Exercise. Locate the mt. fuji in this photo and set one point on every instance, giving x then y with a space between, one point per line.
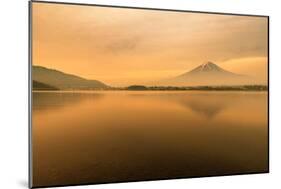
208 74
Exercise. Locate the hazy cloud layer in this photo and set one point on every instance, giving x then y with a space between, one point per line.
119 45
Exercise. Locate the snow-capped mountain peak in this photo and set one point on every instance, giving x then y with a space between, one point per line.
207 67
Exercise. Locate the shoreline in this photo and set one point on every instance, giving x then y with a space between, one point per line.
245 88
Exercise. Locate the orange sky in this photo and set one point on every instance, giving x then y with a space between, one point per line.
130 46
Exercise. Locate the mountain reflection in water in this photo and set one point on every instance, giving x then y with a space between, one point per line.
112 136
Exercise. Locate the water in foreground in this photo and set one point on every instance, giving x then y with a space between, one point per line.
113 136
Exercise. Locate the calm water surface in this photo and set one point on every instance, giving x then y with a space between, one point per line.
97 137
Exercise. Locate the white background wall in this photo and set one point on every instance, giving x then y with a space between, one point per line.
14 93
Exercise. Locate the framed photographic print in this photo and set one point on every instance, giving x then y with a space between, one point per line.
121 94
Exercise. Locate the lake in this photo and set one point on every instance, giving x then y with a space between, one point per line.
111 136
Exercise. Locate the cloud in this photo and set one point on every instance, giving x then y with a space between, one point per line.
124 45
110 43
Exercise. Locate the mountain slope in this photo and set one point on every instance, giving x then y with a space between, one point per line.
208 74
42 86
208 68
62 80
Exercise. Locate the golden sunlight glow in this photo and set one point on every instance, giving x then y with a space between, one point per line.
125 46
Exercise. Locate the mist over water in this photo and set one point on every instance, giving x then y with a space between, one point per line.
109 136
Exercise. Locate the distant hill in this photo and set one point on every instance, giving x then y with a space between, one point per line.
137 88
208 74
63 80
42 86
